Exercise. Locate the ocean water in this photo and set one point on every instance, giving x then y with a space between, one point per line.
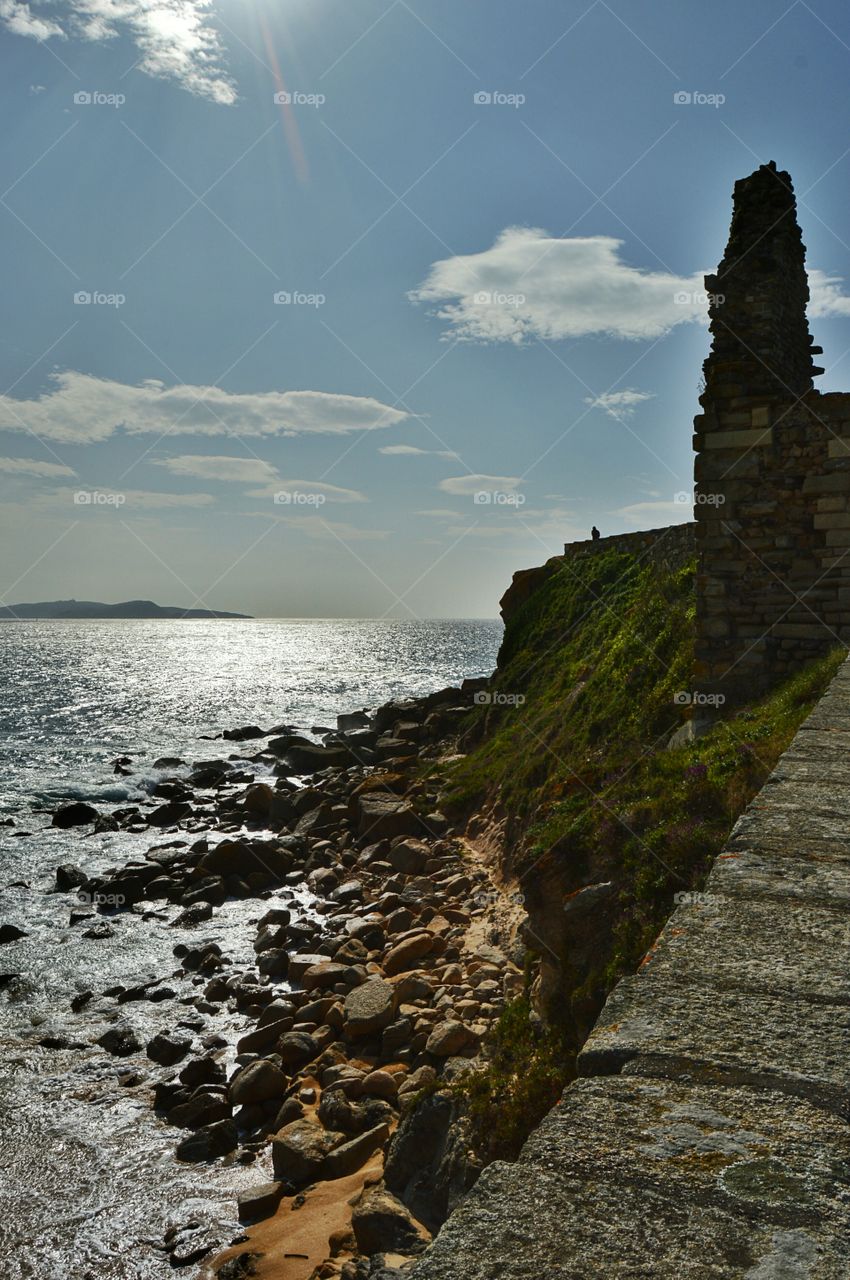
89 1182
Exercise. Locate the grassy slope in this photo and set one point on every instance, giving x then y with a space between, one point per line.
591 793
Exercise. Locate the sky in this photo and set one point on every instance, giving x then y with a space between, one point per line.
348 308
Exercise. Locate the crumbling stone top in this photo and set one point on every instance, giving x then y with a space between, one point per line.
761 345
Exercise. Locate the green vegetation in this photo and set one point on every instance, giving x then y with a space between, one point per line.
527 1070
582 771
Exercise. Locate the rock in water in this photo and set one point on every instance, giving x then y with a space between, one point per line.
68 876
212 1140
168 1048
120 1040
74 815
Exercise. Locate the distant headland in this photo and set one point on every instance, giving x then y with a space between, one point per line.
95 609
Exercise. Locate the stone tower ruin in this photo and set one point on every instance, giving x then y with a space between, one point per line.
773 462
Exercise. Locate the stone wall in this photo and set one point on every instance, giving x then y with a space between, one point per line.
773 462
708 1135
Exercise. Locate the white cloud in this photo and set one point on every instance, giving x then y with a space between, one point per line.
619 404
826 296
219 467
32 467
532 285
464 486
438 513
21 21
81 409
176 39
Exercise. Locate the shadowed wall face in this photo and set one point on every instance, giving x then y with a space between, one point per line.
773 462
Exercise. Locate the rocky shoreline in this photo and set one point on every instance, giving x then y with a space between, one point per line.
361 1005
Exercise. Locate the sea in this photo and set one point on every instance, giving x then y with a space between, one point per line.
89 1185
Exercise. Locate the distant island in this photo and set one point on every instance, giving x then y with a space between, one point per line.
94 609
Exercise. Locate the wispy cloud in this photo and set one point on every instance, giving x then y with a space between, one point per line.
33 467
466 486
530 285
175 39
318 527
81 409
619 404
647 515
230 470
411 451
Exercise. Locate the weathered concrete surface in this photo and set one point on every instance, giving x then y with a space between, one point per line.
709 1137
646 1178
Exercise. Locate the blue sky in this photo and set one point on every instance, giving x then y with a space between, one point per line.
485 225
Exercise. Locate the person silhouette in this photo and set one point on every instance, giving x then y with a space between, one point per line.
595 534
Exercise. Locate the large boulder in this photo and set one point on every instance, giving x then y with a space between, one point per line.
352 720
381 1224
352 1155
243 858
409 857
69 877
74 815
312 758
369 1008
407 953
260 1201
450 1038
168 1048
299 1150
169 814
428 1162
383 815
296 1048
212 1140
121 1040
258 1082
